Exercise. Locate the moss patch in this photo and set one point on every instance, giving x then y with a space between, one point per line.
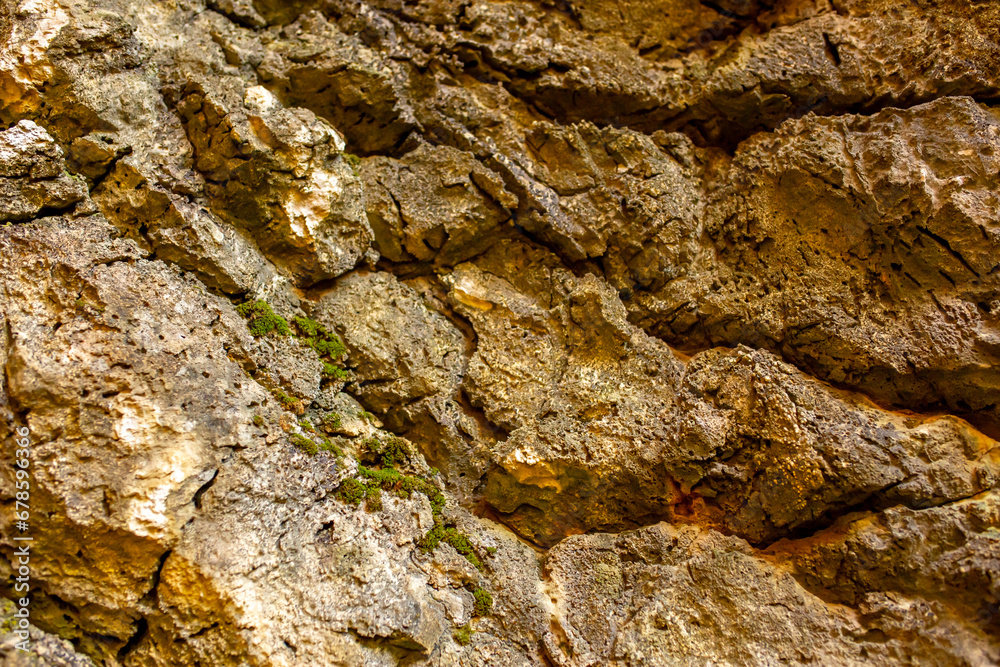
312 448
335 372
392 452
451 535
391 480
262 320
304 443
315 335
330 422
288 402
352 491
325 343
463 635
484 601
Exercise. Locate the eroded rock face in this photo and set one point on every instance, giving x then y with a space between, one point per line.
862 249
608 426
691 307
151 456
34 174
664 595
281 170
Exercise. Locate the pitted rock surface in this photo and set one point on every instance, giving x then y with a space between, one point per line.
520 333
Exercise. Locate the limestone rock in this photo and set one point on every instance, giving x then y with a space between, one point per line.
279 174
287 364
872 239
436 204
664 595
412 360
315 65
171 471
607 424
402 348
33 174
182 232
671 331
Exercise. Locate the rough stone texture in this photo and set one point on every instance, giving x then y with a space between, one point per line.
691 306
313 64
151 457
46 650
33 174
664 595
861 248
411 359
435 204
609 426
279 170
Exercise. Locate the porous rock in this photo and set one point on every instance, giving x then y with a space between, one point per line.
669 331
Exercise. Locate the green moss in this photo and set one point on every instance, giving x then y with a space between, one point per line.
464 546
308 328
304 443
258 421
367 416
450 535
383 476
262 320
335 372
437 500
484 601
307 426
315 335
492 551
386 478
352 491
370 445
390 453
330 422
394 452
288 402
329 446
332 347
463 635
373 498
421 485
390 479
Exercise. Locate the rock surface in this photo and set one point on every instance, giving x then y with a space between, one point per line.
692 307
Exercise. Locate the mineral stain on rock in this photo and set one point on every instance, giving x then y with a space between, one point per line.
544 333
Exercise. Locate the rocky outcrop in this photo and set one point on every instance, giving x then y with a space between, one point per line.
501 333
861 249
34 174
664 595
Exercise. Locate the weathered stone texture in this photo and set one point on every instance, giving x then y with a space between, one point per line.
512 333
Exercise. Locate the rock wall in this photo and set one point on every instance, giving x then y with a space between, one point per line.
553 333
